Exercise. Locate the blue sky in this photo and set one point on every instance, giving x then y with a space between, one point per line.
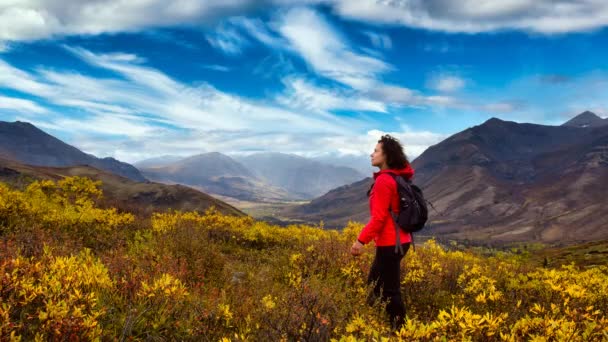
146 78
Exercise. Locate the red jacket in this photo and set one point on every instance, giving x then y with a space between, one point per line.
381 227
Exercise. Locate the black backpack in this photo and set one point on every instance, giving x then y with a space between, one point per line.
413 211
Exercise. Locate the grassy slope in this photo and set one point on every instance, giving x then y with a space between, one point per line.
119 191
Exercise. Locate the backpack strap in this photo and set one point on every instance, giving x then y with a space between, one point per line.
413 243
398 248
370 189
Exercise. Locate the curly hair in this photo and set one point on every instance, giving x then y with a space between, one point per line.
393 151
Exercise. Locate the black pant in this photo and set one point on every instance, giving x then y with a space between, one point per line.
385 271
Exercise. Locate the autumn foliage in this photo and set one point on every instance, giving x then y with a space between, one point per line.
72 270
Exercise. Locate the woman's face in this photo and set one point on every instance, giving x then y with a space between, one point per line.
378 157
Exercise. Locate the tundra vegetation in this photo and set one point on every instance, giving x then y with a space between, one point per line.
71 269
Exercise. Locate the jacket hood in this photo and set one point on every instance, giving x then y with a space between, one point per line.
407 172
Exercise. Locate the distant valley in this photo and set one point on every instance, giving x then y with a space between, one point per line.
261 177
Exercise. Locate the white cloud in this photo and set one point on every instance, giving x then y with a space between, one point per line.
395 95
192 106
228 40
325 51
499 107
473 16
400 96
101 125
302 94
144 90
273 65
217 67
20 105
258 30
444 101
447 83
379 40
36 19
17 79
307 34
30 19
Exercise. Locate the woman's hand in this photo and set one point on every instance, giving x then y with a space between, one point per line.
356 249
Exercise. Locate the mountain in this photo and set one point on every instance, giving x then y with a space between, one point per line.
25 143
504 149
516 182
502 181
300 176
586 119
217 173
120 192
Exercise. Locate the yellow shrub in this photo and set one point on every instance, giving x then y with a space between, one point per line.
57 296
165 286
67 204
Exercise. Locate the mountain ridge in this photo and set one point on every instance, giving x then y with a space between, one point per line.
26 143
586 119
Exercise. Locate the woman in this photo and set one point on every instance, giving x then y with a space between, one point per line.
385 271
